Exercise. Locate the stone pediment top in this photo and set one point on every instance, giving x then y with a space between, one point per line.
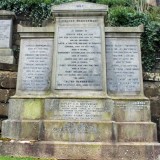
79 6
7 13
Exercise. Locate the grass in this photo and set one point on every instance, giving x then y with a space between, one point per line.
18 158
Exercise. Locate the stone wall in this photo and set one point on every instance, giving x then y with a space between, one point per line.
8 76
152 91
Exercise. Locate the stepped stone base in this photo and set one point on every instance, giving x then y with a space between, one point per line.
82 150
136 132
79 131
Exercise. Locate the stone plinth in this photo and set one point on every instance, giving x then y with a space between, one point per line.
6 27
82 151
79 95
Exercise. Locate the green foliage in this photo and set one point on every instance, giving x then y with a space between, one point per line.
150 45
35 11
126 16
154 13
120 16
113 3
121 13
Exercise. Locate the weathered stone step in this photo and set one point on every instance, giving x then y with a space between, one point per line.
136 132
82 150
58 130
79 131
132 110
28 129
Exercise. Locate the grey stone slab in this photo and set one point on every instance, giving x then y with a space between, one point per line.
123 66
79 6
21 130
78 131
31 31
132 110
79 54
78 109
6 52
6 13
35 65
7 59
26 109
125 30
5 33
136 132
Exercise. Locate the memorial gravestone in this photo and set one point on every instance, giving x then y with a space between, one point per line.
66 72
124 71
6 27
35 61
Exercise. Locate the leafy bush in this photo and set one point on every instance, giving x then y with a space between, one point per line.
121 13
120 16
113 3
125 16
35 11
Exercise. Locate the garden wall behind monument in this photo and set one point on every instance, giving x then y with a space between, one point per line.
71 100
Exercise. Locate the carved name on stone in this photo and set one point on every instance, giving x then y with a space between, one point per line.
132 106
36 64
79 63
123 68
79 109
5 33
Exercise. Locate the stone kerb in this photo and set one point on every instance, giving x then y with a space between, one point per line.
6 27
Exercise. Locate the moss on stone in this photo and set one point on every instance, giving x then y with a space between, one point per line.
33 108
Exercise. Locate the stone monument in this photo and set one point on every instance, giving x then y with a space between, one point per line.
80 91
6 27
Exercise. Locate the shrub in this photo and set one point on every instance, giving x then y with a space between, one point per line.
124 16
113 3
121 13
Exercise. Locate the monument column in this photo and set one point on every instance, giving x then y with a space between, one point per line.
79 105
125 85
